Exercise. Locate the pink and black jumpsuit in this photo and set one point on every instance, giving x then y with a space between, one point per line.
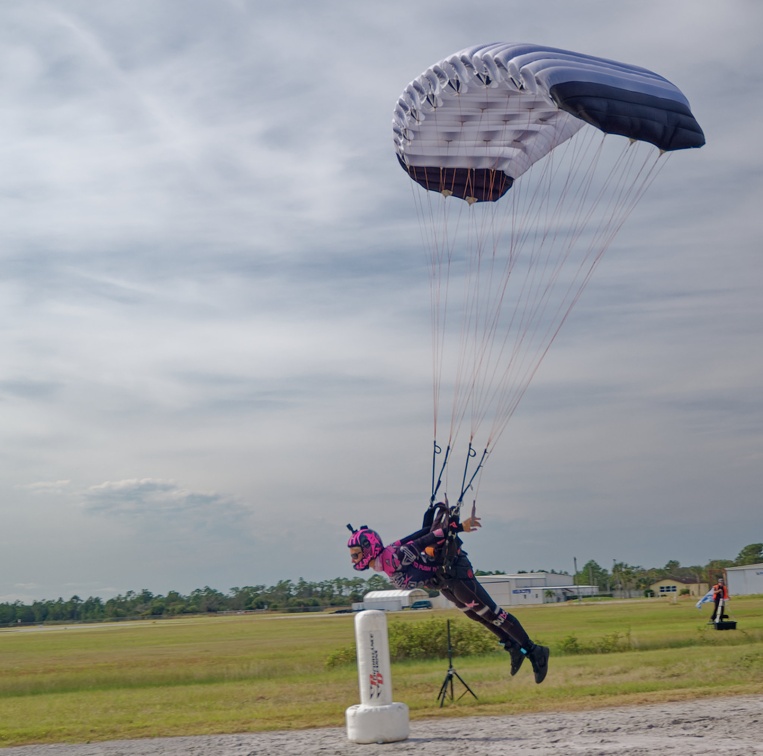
407 565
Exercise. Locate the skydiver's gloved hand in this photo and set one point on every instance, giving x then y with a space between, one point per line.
472 522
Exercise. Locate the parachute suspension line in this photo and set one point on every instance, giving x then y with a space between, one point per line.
446 217
432 210
441 255
488 299
471 453
484 294
618 195
445 214
517 321
494 349
440 260
468 345
533 300
624 198
481 306
464 304
550 251
436 482
531 216
465 486
565 302
473 343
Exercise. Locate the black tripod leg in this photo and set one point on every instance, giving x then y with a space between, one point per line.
449 675
463 682
443 694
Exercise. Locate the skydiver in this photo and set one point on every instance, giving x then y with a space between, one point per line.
720 597
422 560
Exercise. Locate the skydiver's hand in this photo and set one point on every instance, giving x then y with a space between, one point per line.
472 522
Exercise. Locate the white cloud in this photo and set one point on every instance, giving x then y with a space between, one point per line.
47 487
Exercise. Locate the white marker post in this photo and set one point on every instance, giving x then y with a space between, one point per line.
376 719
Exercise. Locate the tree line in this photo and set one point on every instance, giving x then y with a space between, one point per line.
302 595
286 595
628 577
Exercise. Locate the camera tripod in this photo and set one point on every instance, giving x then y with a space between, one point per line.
446 689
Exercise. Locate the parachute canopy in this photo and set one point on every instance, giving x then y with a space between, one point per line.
507 267
476 121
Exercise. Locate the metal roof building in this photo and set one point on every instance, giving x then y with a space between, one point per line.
532 588
745 580
394 600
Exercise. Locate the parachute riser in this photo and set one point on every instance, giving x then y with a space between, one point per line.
467 479
465 486
437 482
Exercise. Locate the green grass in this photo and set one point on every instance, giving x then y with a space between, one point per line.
81 683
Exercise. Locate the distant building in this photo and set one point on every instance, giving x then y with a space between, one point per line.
745 580
507 590
673 587
390 601
533 588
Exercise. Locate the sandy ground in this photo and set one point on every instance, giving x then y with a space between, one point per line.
689 728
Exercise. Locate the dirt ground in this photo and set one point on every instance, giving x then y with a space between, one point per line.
730 726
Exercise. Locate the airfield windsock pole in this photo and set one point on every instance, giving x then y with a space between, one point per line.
377 719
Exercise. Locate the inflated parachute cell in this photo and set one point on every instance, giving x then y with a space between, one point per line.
473 123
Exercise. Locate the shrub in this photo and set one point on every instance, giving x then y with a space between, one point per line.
571 645
426 640
341 657
607 644
429 639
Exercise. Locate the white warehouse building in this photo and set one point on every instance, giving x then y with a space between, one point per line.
745 580
506 590
390 601
533 588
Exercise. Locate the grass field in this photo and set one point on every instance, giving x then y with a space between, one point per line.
246 673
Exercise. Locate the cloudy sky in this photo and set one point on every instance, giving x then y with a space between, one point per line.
214 339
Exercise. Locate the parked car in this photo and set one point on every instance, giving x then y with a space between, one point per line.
421 604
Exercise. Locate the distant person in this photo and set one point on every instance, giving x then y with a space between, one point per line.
432 558
720 596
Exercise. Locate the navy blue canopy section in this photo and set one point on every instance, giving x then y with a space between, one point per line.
664 123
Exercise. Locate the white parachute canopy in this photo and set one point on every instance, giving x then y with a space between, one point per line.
520 132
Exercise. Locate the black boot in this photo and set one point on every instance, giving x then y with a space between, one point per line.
517 657
539 659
